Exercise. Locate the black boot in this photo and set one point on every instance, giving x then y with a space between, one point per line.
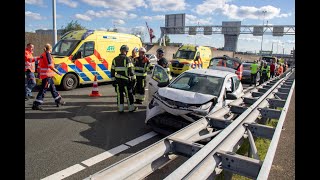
36 107
61 102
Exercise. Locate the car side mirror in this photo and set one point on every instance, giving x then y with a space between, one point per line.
231 96
163 84
172 55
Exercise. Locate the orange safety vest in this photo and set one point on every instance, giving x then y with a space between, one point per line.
29 61
45 65
280 70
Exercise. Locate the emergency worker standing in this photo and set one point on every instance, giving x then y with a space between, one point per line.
29 70
141 67
163 62
47 71
123 79
254 70
265 70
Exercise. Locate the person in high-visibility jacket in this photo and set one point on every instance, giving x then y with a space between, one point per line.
123 78
163 62
134 54
254 70
47 71
141 67
29 69
265 70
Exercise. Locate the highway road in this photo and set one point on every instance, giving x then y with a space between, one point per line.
82 137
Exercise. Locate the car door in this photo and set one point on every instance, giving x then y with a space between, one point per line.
159 75
238 89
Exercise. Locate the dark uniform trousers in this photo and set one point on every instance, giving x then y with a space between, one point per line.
124 87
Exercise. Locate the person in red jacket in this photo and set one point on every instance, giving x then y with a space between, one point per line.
29 62
47 71
272 69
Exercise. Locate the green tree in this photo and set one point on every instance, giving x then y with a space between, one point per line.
72 26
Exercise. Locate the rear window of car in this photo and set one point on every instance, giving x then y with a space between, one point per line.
225 63
246 66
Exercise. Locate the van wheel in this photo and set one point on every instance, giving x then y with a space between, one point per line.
69 81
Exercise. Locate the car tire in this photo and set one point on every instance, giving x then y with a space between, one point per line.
69 82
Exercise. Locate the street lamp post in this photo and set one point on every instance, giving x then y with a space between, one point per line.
54 22
264 13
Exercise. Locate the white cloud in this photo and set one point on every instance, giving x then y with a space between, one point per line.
70 3
83 17
118 22
110 13
154 18
34 2
32 15
239 12
168 5
194 20
124 5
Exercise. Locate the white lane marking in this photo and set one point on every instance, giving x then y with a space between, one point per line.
100 157
105 155
141 138
65 173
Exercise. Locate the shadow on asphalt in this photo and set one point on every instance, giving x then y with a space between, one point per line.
106 127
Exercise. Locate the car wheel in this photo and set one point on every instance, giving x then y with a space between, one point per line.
69 82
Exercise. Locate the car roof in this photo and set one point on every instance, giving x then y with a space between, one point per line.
210 72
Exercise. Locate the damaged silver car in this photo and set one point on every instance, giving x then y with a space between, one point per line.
192 95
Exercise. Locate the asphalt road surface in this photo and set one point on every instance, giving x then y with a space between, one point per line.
84 136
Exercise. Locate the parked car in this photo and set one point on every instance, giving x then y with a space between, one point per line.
192 95
226 63
152 58
246 74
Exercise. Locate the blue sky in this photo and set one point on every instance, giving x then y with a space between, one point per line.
128 16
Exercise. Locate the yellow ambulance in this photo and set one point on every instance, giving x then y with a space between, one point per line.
82 54
190 57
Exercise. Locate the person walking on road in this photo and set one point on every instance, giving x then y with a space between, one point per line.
47 71
29 70
265 70
272 69
163 62
141 67
123 78
254 70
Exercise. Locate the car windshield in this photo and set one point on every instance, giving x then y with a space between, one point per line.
64 47
185 54
224 62
198 83
246 66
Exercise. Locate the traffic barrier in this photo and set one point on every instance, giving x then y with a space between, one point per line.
95 91
220 151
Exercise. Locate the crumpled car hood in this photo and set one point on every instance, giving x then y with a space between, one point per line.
184 96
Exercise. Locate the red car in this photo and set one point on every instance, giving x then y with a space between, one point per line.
227 63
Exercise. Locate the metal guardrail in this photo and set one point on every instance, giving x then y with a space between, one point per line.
208 160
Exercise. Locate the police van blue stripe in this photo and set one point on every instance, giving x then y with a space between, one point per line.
89 67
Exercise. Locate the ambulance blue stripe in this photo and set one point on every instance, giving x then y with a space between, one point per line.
101 66
89 67
78 71
62 70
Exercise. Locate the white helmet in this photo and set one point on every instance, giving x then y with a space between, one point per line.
142 49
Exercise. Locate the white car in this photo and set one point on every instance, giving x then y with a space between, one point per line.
152 58
192 95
